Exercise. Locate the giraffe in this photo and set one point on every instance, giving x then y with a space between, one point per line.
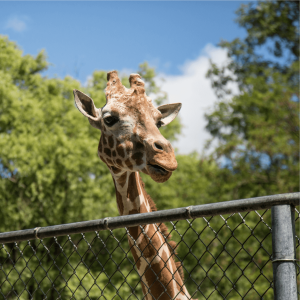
130 143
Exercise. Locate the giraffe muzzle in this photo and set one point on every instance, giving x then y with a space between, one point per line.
160 172
158 169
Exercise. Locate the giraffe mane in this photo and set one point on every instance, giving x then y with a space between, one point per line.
165 232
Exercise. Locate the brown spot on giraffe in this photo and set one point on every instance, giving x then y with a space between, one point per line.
147 248
134 231
119 163
109 162
144 288
133 211
157 288
139 146
135 141
116 170
111 142
107 151
143 208
128 163
136 257
120 150
138 157
122 179
133 191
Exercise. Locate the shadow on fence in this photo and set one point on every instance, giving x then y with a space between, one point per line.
225 256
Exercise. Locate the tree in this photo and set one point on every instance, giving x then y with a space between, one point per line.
257 130
257 133
47 153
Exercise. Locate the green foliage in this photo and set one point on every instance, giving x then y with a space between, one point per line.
271 25
257 130
224 254
274 20
51 173
47 151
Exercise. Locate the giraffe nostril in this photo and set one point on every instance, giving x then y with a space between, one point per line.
159 147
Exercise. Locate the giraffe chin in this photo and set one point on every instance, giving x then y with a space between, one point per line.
158 174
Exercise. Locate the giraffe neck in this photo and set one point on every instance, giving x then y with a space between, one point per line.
160 278
130 193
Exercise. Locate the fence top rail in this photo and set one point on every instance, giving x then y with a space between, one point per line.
191 212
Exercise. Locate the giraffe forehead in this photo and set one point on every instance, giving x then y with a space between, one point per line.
115 107
139 109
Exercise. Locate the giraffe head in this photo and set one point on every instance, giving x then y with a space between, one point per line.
129 122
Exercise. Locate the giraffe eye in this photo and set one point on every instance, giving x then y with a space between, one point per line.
159 124
110 121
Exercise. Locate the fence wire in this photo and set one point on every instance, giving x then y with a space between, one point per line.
223 257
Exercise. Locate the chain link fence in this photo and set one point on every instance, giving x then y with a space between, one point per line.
227 256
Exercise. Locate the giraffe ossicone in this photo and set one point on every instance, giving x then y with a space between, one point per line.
131 143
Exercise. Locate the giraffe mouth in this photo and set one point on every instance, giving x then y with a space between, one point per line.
158 169
158 173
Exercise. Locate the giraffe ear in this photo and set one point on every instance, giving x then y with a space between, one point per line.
86 106
169 112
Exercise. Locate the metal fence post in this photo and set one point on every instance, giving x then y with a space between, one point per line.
283 243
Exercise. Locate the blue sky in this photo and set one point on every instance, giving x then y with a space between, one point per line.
80 37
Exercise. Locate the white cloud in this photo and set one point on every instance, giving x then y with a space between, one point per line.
194 91
17 23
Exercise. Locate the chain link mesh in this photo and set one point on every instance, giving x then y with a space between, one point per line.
223 257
